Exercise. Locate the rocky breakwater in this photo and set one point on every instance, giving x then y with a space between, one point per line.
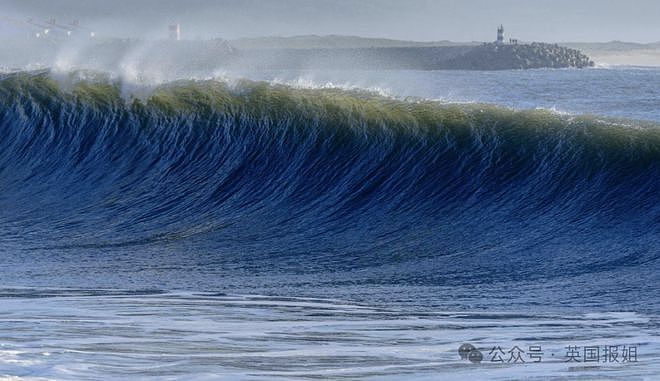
487 56
523 56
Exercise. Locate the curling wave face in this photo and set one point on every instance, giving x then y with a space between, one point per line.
320 186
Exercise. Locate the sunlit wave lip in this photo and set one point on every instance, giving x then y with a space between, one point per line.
131 88
306 83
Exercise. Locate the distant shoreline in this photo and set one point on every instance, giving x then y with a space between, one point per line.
320 52
460 57
616 53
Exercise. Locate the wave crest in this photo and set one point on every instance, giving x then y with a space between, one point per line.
345 179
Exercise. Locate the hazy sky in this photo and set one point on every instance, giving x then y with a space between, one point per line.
458 20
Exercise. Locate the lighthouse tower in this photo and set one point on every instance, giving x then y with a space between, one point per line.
500 35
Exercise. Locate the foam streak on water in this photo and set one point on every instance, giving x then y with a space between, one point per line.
73 335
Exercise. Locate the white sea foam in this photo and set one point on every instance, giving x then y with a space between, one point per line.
206 336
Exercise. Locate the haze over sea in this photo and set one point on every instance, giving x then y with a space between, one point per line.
302 228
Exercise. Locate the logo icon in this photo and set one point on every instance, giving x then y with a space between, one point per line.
471 353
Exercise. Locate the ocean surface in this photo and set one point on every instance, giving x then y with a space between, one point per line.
626 92
357 225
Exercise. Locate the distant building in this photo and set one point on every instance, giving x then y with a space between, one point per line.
175 32
500 35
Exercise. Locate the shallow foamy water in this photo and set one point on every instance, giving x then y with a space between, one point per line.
75 334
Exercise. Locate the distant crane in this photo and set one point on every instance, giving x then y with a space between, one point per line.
75 24
45 29
53 23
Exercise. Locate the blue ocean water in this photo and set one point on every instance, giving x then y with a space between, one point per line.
626 92
304 228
